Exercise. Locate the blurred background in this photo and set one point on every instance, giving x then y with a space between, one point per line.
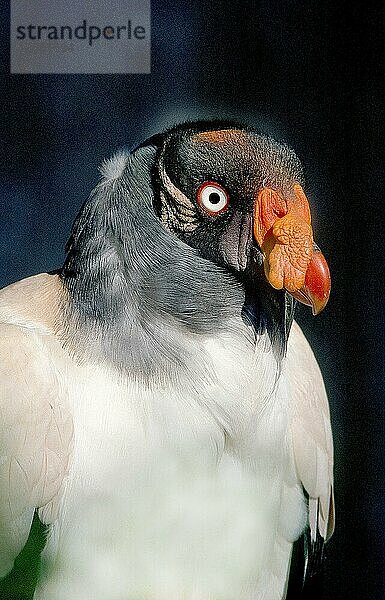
305 72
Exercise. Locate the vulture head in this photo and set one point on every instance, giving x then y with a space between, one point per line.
237 197
195 225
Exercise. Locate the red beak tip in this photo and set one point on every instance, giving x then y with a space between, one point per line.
318 304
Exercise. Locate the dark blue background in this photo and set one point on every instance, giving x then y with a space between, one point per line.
307 72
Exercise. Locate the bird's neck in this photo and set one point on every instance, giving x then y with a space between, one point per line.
133 288
135 309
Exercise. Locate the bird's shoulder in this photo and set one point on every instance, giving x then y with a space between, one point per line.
33 302
36 430
310 432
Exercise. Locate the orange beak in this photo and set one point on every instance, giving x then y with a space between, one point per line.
282 229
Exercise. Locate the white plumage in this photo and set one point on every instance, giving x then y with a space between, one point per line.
162 481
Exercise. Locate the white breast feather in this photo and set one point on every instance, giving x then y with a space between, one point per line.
170 482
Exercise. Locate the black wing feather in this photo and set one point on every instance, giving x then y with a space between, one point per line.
307 568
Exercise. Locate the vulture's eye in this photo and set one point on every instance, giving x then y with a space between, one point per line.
213 198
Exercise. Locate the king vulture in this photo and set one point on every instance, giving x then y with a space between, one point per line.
163 418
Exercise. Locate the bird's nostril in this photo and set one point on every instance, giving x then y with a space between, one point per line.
279 212
271 206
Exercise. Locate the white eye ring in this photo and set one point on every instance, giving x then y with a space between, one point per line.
213 198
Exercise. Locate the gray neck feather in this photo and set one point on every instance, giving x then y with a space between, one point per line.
135 290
